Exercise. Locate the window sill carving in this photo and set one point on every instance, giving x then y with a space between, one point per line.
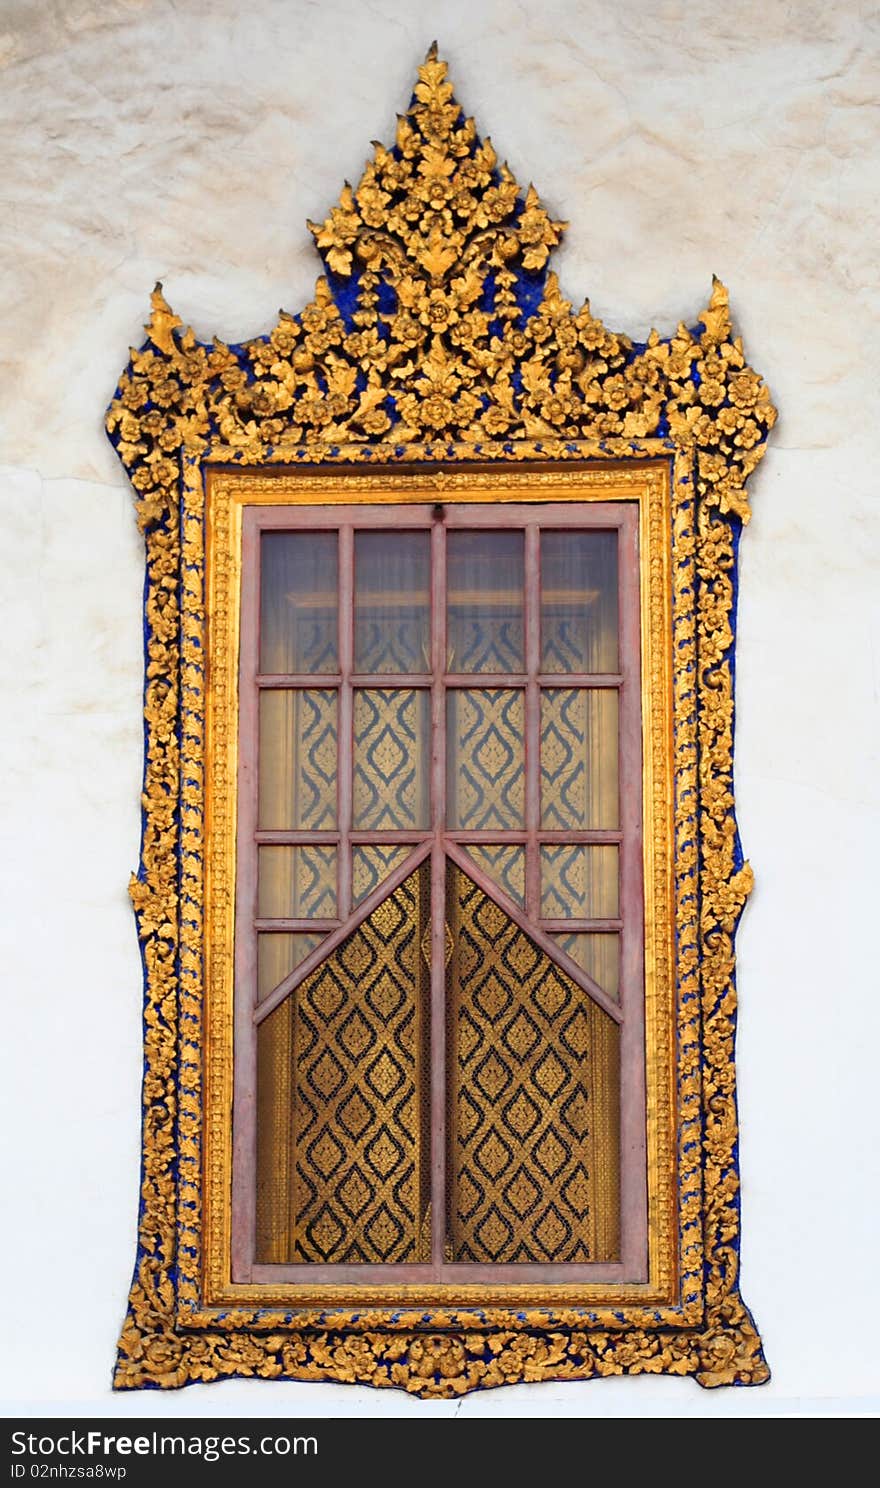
438 338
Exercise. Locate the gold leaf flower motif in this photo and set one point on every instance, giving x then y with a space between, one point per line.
471 327
712 366
194 366
165 472
367 348
375 422
678 364
712 467
285 336
130 428
143 479
748 435
712 392
495 421
608 424
592 334
728 420
135 392
615 392
262 355
264 400
558 408
436 1355
233 379
462 201
437 311
743 389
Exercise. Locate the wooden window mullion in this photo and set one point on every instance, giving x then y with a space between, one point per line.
438 896
532 718
321 681
345 735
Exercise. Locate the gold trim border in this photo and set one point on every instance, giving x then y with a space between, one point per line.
227 495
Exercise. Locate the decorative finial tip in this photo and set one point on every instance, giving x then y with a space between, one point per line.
162 321
716 316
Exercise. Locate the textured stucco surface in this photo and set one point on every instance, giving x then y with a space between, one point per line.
188 141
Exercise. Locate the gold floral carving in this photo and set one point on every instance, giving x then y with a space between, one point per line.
438 336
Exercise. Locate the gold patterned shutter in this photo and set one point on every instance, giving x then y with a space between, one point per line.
343 1141
533 1068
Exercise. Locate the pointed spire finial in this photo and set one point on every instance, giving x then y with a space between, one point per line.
162 322
716 317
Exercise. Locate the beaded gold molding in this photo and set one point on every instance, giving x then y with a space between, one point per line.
438 336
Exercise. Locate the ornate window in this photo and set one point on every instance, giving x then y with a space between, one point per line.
439 934
440 872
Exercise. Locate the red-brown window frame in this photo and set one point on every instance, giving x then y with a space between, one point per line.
440 843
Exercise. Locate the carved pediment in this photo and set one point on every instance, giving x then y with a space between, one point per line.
440 331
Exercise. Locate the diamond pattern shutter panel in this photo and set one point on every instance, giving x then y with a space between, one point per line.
533 1098
343 1085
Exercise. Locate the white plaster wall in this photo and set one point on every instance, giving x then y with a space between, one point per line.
189 140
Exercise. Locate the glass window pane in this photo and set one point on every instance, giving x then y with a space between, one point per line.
598 956
579 759
297 760
298 602
343 1099
371 865
484 621
297 883
579 883
391 759
579 602
278 956
533 1076
506 866
485 788
392 602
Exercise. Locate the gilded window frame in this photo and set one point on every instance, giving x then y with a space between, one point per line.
227 495
684 421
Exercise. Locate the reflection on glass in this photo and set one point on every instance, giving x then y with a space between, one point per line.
278 956
391 759
484 576
598 956
392 602
298 602
297 760
485 789
371 865
579 883
579 759
297 883
506 866
579 602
